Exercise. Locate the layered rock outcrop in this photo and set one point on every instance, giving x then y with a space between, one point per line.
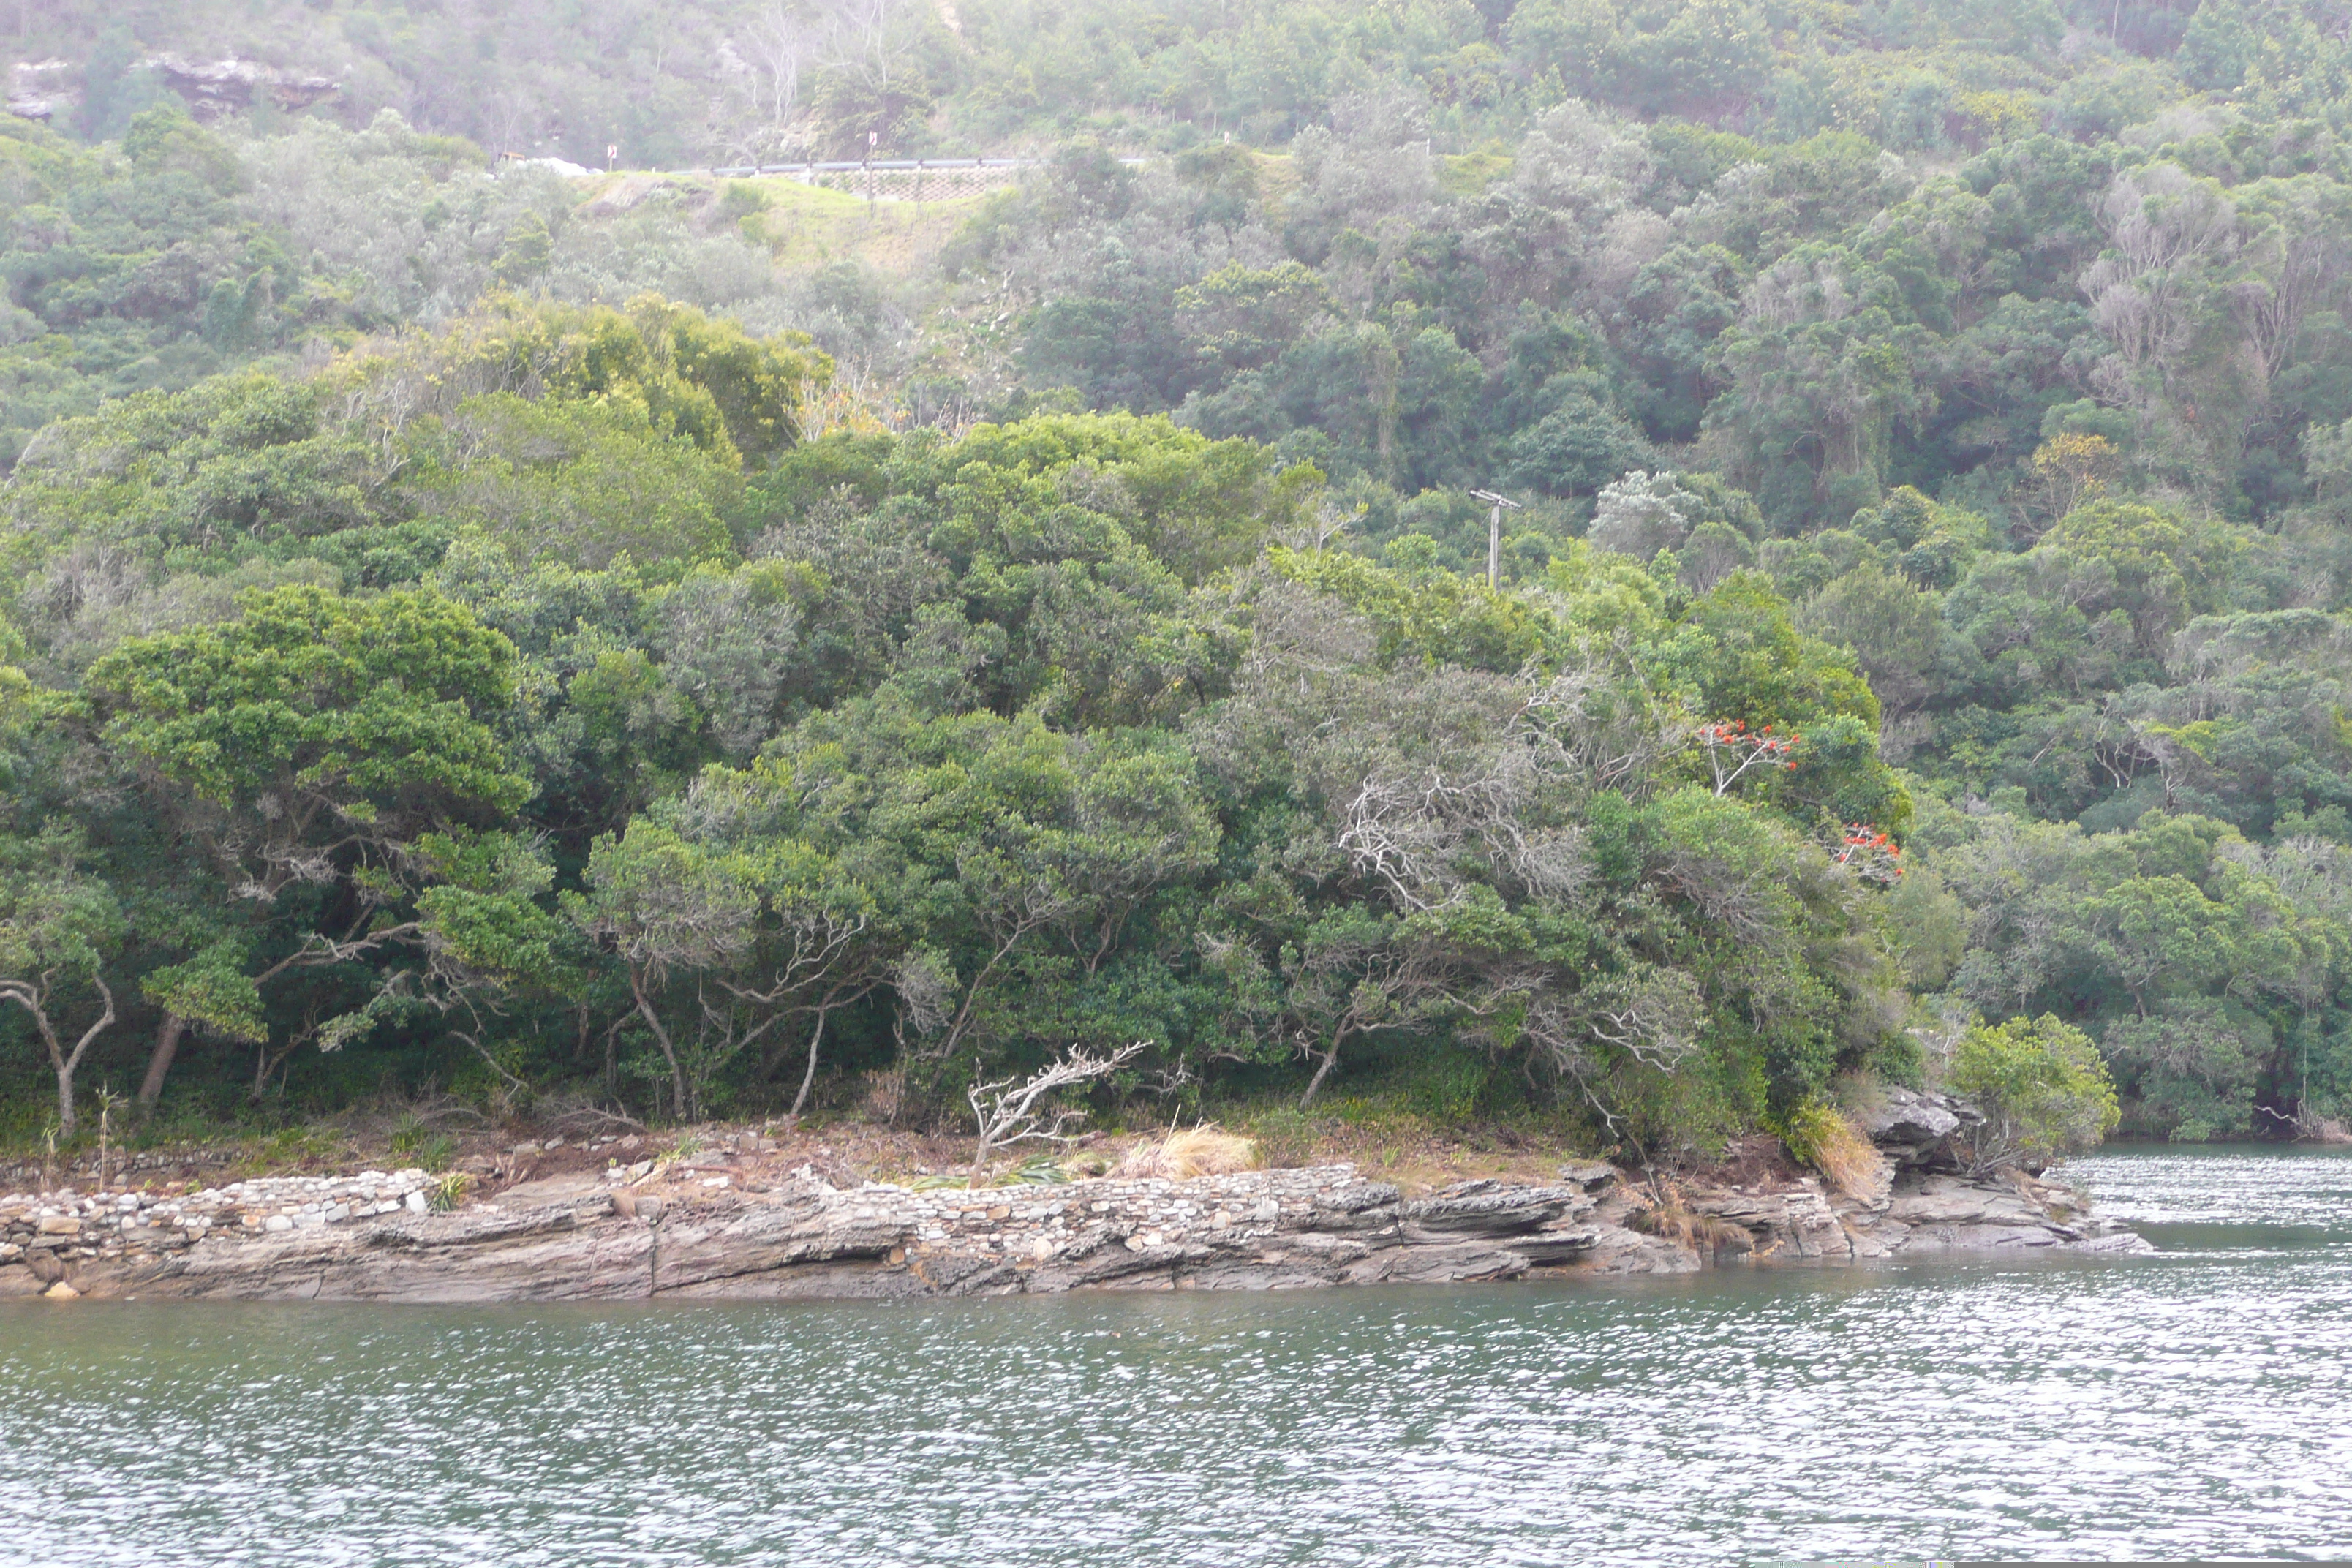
800 1238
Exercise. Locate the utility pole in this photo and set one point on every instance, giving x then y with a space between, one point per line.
1495 534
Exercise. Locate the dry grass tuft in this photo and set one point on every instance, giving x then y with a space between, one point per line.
1672 1222
1825 1139
1853 1166
1203 1151
1854 1169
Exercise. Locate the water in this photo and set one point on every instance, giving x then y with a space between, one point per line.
2192 1403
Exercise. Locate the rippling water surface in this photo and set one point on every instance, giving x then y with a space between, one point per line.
2196 1402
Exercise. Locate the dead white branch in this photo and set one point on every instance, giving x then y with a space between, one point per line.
1020 1111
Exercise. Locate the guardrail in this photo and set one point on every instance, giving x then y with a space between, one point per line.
877 166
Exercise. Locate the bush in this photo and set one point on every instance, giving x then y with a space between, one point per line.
1285 1137
413 1137
2043 1088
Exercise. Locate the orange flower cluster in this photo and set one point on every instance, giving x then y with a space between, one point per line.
1728 731
1733 732
1871 853
1746 748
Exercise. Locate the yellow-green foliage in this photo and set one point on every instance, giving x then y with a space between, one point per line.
2041 1086
734 397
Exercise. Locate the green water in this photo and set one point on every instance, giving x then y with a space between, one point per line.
2198 1403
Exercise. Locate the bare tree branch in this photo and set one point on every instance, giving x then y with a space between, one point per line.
1008 1111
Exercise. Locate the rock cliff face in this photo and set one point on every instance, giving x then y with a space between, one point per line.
48 89
1261 1230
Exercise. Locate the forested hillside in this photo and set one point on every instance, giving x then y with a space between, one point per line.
525 637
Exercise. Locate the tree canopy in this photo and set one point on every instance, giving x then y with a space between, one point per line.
697 641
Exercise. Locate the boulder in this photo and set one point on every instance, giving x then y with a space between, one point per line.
1595 1177
1911 1128
1799 1224
1487 1208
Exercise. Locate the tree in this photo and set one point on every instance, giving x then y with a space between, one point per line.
307 743
585 483
487 936
1578 449
211 991
57 926
1005 860
2044 1092
2156 933
312 727
1892 628
664 905
1347 973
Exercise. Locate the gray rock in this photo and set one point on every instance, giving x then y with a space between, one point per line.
1483 1208
1355 1197
1595 1177
1800 1224
804 1239
1911 1128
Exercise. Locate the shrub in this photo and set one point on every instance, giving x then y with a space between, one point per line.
1285 1137
409 1132
414 1137
2043 1088
1037 1170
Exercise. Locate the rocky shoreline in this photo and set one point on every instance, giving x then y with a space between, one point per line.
729 1227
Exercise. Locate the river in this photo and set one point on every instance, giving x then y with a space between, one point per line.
2195 1402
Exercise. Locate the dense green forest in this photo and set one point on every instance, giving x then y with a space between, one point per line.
471 631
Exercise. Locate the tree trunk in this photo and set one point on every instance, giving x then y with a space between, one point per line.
669 1052
159 1061
808 1076
1331 1059
65 1061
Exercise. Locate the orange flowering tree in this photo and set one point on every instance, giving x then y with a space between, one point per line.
1734 751
1873 855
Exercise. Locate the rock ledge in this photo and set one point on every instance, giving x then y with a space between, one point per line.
801 1238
